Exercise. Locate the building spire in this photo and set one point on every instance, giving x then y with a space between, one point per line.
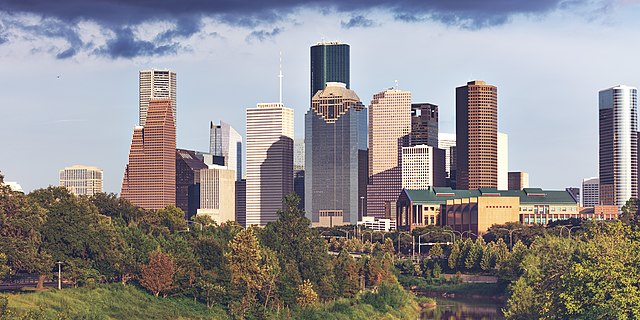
280 76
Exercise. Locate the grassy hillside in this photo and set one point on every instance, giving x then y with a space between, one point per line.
108 302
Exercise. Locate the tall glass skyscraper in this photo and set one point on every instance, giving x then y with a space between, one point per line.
225 141
329 63
618 145
335 156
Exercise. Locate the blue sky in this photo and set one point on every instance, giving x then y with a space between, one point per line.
548 59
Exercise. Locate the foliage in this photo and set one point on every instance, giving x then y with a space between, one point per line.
347 275
306 295
245 263
157 275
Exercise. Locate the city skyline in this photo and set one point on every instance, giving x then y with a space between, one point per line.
112 98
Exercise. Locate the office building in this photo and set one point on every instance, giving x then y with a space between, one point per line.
241 202
329 63
157 84
618 145
298 154
477 136
424 124
518 180
218 194
150 175
298 186
81 180
503 161
226 142
590 192
269 150
575 193
335 155
390 124
445 142
188 167
423 167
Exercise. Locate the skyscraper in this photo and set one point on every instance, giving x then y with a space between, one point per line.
81 180
424 124
390 124
218 193
618 145
590 192
157 84
422 167
226 142
150 175
329 63
335 155
477 136
269 161
188 167
447 142
503 161
518 180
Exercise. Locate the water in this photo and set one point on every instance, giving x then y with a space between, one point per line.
464 308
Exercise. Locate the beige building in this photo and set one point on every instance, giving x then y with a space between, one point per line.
156 84
217 193
518 180
477 214
422 167
389 129
269 143
81 180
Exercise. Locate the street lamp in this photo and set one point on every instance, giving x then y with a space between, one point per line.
361 207
59 263
511 235
469 232
454 232
568 229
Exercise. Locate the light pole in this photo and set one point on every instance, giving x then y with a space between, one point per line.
59 263
469 232
568 229
361 207
454 232
511 231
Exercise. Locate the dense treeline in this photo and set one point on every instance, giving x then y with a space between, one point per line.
251 273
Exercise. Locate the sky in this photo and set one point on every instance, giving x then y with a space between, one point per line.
69 71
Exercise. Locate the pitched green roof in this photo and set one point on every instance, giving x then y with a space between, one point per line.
440 195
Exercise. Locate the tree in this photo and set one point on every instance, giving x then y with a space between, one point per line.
488 258
306 295
347 275
629 213
164 221
247 275
4 267
472 262
437 270
454 255
157 275
119 209
500 252
436 251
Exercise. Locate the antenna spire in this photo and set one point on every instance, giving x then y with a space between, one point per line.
280 76
396 87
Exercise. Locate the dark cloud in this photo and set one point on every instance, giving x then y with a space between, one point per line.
358 21
263 35
186 16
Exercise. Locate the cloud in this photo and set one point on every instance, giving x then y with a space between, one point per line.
358 21
61 18
263 35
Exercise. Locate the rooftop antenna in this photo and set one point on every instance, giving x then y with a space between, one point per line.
396 85
280 76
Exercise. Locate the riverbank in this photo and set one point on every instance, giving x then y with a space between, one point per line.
444 287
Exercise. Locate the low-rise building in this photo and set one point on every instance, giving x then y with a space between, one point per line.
376 224
218 194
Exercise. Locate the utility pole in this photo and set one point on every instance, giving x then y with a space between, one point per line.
59 263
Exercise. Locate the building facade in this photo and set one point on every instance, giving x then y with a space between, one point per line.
241 202
81 180
518 180
188 167
218 194
445 142
503 161
298 154
477 136
225 141
157 84
590 192
269 146
335 155
329 63
618 117
423 167
390 126
150 175
424 124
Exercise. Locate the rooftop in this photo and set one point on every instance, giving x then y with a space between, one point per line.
440 195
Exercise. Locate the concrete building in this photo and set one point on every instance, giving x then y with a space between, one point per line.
422 167
14 186
518 180
575 193
218 194
298 186
445 142
157 84
225 141
424 124
590 192
81 180
298 154
241 202
150 175
335 155
390 124
477 136
269 161
375 224
618 117
329 63
503 161
188 167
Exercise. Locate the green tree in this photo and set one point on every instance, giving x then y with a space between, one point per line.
306 295
454 256
488 258
164 221
500 252
119 209
347 275
436 251
629 213
511 268
4 267
157 275
437 270
247 275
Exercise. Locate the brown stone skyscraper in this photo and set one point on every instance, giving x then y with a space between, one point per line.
477 135
150 176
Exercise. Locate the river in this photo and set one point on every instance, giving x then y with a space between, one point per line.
464 308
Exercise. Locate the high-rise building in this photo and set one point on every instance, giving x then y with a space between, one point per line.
503 161
422 167
226 142
390 126
269 161
424 124
150 176
218 193
445 142
157 84
518 180
81 180
477 136
241 202
298 154
329 63
590 192
575 193
335 156
618 145
298 186
188 167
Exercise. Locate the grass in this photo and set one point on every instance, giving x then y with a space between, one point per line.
112 301
442 285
